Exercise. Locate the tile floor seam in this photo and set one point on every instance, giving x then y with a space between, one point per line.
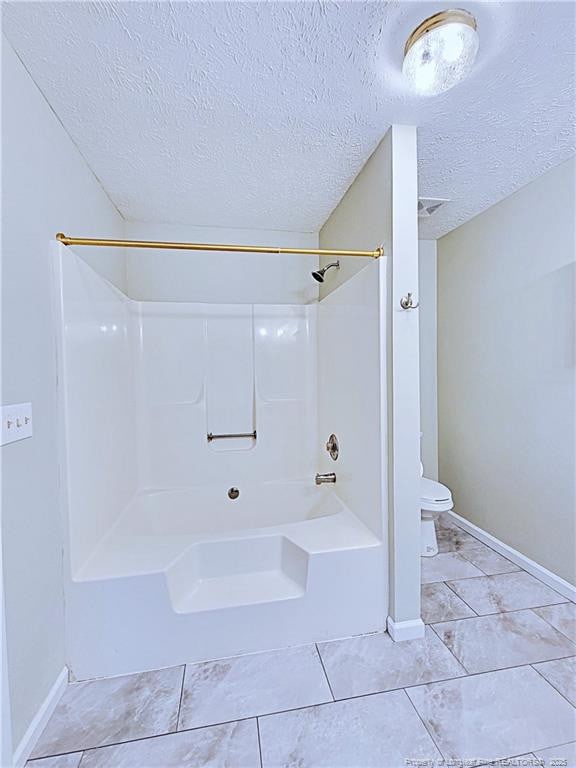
464 667
497 669
564 744
404 687
63 754
418 715
180 702
461 598
517 567
460 552
479 575
434 583
501 613
572 639
515 573
533 665
93 749
554 746
530 607
462 578
433 682
511 610
259 741
138 741
148 738
325 672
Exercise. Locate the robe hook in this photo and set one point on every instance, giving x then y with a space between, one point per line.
406 302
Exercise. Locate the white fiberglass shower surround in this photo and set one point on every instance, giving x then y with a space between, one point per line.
182 548
165 567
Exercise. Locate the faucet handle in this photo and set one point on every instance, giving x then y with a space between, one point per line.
327 477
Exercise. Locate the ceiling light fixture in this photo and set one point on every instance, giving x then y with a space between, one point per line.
441 51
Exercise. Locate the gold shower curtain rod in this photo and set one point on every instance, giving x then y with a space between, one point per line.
65 240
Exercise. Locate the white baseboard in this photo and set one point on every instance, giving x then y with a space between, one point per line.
551 579
405 630
34 731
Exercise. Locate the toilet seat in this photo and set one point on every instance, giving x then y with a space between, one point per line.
434 497
433 491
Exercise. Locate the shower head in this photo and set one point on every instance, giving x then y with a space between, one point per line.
319 274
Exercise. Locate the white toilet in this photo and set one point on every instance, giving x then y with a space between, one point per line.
434 499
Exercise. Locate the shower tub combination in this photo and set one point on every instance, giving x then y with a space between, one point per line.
181 548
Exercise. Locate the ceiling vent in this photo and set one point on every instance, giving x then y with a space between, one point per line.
427 206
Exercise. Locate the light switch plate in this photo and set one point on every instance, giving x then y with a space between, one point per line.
16 422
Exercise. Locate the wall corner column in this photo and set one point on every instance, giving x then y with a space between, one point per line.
402 393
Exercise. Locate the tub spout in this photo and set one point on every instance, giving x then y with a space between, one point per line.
328 477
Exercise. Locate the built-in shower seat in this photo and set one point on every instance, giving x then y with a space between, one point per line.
205 570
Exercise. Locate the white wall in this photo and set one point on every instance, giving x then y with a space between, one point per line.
96 371
349 393
428 356
6 751
144 382
224 369
46 187
506 369
220 278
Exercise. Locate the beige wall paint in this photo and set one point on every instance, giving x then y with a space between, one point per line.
506 370
360 221
46 186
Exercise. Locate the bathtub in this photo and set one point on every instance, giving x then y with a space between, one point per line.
208 510
282 563
159 526
179 572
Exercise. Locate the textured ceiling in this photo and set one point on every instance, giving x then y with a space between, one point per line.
260 114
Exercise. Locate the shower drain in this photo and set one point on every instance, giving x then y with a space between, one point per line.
233 493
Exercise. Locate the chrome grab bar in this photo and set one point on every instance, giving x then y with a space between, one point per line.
211 437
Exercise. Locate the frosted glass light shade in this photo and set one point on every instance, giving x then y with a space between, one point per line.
441 52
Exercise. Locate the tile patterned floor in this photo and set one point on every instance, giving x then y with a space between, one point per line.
561 673
505 592
562 617
218 691
486 643
492 680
